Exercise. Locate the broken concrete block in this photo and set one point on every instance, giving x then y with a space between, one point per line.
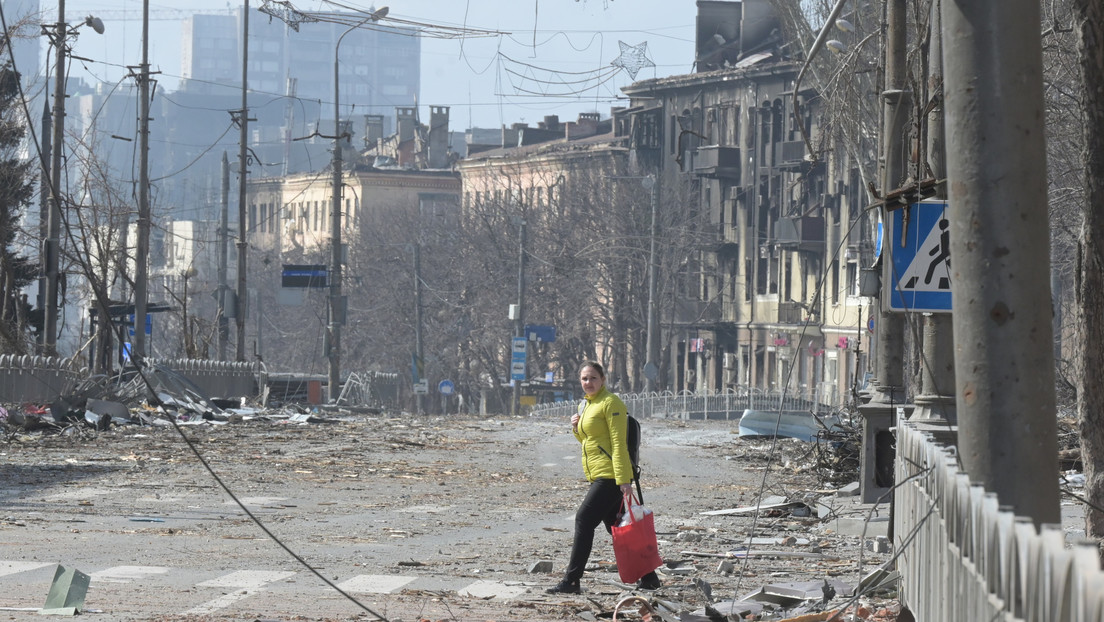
726 567
879 544
849 490
541 567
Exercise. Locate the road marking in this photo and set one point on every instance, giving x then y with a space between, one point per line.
126 574
246 579
7 568
375 583
222 602
250 582
493 589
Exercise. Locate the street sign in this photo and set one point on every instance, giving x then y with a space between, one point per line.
445 387
518 347
421 387
921 279
537 332
309 275
517 370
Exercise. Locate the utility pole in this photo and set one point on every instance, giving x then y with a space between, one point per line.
889 391
337 310
1004 338
223 260
53 223
937 371
519 318
418 348
243 171
141 271
44 214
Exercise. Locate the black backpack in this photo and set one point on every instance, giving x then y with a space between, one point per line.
632 440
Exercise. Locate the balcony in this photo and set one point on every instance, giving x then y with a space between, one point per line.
791 153
718 162
800 234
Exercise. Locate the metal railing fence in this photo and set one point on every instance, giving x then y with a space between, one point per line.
729 404
963 558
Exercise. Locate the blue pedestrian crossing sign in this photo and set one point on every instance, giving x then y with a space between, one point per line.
921 279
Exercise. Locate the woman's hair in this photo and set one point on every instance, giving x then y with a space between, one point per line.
597 367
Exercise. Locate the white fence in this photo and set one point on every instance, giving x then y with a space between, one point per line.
963 558
26 378
699 405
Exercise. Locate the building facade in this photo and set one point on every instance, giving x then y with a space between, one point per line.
771 300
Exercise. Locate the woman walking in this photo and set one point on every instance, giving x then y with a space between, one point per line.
601 427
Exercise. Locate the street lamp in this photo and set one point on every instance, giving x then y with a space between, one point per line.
337 308
59 35
651 371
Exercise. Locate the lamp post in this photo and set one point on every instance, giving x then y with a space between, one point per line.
337 307
59 36
651 371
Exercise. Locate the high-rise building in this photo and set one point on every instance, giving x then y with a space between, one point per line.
23 19
379 68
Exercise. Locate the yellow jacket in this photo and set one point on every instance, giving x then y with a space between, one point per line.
602 429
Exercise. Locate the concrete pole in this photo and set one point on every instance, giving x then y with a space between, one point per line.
53 223
876 473
223 261
418 347
44 212
336 315
1004 338
519 320
141 254
937 373
243 172
652 341
890 326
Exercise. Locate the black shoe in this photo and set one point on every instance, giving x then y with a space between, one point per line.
565 587
649 582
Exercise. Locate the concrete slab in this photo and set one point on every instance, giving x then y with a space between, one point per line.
375 583
493 589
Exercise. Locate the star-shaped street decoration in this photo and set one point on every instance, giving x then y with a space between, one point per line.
633 58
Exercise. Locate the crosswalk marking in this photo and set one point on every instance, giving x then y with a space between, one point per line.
7 568
248 582
375 583
246 579
242 584
222 602
126 574
493 589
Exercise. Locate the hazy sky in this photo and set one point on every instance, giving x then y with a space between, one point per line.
556 59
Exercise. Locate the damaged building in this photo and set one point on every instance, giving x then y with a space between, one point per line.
767 296
777 282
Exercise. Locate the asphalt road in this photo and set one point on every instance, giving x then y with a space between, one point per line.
362 518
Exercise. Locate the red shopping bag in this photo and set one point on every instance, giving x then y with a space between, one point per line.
634 543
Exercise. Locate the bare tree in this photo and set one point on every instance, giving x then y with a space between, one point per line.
1089 20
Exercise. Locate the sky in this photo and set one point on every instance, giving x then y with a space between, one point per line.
554 56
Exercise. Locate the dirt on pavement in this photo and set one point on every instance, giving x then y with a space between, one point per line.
440 503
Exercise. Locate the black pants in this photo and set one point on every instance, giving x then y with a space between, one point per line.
602 504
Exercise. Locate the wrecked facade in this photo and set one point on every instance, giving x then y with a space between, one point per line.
776 219
773 281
